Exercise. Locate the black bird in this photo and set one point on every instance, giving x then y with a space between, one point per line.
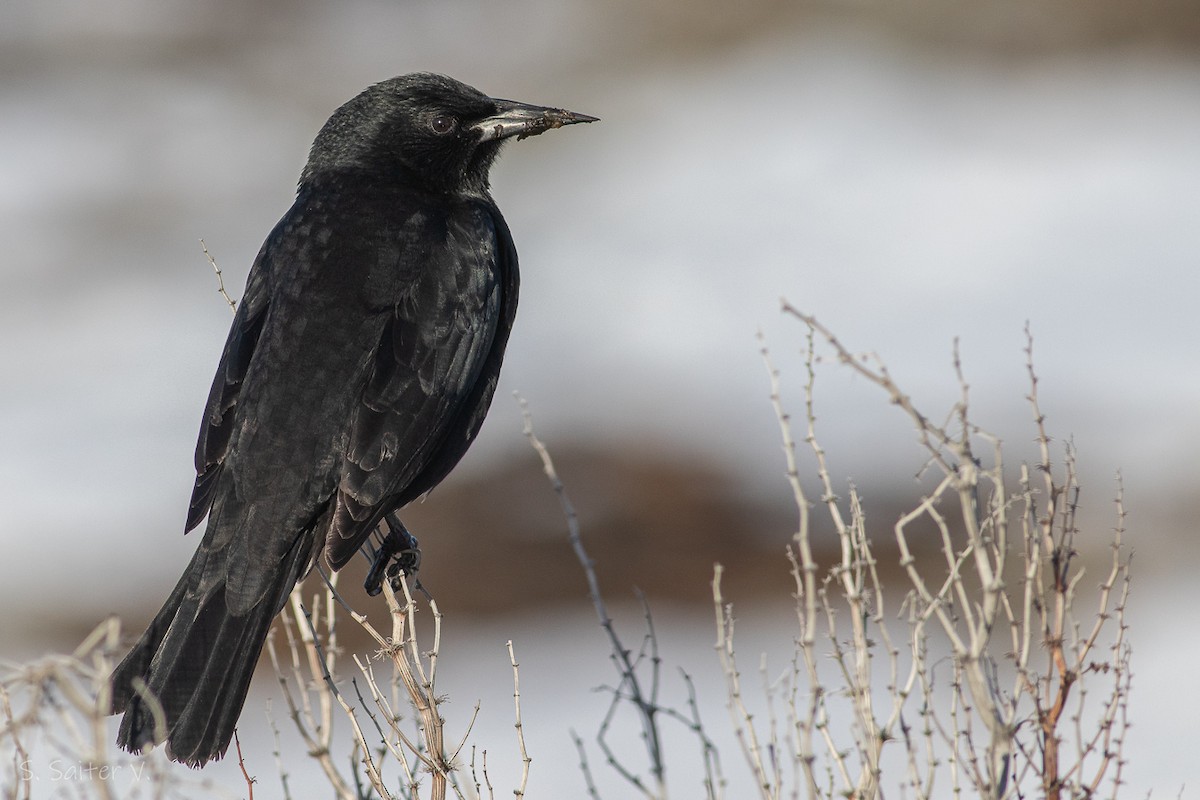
359 367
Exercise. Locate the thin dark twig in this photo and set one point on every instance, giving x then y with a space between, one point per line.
621 655
584 768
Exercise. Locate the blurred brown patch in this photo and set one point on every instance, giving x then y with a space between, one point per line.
650 520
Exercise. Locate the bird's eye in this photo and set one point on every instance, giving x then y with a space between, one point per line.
443 124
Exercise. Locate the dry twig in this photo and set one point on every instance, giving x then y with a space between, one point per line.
1009 590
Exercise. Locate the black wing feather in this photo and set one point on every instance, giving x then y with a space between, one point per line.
218 422
438 351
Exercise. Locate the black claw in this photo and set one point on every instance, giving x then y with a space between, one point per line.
399 552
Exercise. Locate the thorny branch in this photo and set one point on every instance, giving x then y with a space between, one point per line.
1009 589
633 689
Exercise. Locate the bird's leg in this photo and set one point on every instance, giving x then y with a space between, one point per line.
398 552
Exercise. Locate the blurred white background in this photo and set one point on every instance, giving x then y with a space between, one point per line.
908 172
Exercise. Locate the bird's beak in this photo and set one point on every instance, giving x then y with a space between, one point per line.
521 120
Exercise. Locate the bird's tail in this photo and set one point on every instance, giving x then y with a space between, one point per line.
195 661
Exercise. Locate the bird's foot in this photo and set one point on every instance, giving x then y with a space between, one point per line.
399 552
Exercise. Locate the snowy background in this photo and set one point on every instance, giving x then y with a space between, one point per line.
907 181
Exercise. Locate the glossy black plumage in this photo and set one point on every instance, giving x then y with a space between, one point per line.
359 367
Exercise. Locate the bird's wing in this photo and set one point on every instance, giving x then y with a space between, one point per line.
431 374
218 423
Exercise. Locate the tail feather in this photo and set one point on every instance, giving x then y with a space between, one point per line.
204 725
196 660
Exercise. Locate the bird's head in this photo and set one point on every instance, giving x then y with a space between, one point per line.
426 129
